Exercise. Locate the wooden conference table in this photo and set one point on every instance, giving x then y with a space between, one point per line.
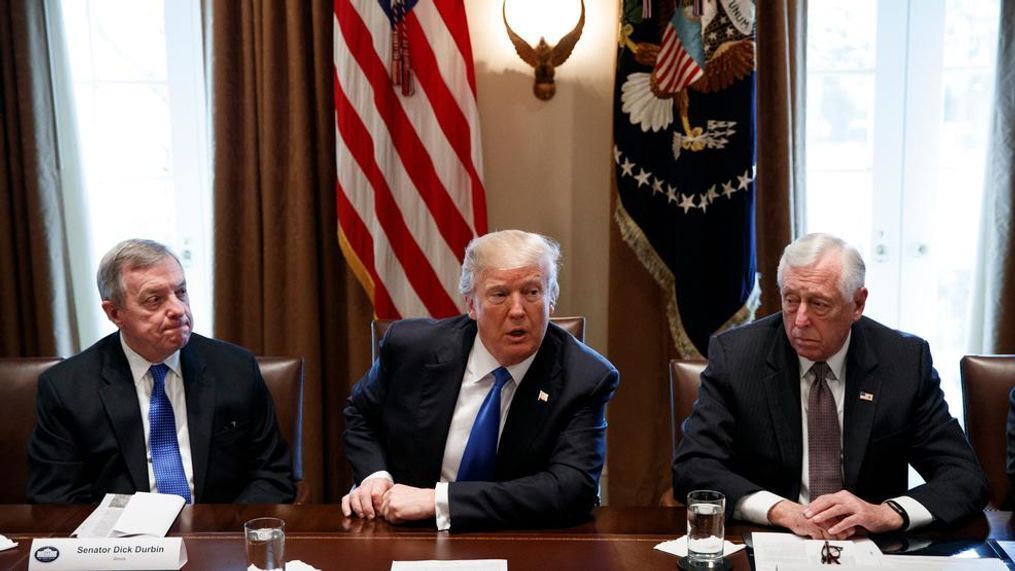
617 538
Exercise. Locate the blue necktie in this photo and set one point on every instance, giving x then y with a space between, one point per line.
479 461
166 460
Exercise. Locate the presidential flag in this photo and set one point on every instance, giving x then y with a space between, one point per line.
410 190
684 158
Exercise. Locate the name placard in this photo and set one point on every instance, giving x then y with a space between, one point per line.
71 554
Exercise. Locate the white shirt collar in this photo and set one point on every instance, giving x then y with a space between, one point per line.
481 363
139 365
836 363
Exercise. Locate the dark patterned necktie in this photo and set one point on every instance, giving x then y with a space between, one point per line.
823 446
167 464
479 461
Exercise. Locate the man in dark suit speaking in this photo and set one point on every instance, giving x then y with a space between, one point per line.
808 422
491 419
154 407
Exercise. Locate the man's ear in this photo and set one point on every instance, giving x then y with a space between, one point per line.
112 312
859 302
470 306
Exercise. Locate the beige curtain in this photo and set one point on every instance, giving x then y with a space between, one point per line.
640 345
281 287
37 316
994 295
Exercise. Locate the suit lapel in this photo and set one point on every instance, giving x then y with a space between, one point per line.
858 415
782 384
528 412
200 394
440 383
119 398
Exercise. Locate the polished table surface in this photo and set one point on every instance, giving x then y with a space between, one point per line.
616 538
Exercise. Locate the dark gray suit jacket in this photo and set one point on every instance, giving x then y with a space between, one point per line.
744 434
551 452
89 438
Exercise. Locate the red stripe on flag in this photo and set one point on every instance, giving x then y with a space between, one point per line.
417 162
449 116
358 237
453 14
422 276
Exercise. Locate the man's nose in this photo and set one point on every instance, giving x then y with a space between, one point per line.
802 317
175 306
516 309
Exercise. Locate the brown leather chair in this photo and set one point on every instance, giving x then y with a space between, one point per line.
574 325
284 378
986 382
685 377
19 379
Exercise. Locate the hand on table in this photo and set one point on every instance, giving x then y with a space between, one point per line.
405 503
792 516
365 500
842 512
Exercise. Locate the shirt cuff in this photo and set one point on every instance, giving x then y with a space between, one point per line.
755 507
918 515
442 508
378 474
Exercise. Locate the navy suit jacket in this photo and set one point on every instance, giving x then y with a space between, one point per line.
89 438
551 451
744 433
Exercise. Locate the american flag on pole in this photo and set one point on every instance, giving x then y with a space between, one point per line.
410 190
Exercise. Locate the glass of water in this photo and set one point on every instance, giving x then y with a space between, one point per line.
265 537
706 528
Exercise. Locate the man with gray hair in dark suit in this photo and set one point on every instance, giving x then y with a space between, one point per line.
809 420
154 406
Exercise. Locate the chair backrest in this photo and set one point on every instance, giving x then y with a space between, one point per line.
19 380
986 382
575 325
685 376
284 378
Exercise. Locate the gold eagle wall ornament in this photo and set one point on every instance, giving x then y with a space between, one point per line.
543 57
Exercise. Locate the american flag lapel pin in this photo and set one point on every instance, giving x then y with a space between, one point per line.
869 397
543 396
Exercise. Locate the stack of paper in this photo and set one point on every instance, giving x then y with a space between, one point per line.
121 515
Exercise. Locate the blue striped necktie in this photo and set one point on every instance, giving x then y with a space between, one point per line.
479 461
166 460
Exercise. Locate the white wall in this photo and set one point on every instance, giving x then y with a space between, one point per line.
547 164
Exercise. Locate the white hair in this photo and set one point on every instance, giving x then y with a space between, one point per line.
509 249
131 254
807 250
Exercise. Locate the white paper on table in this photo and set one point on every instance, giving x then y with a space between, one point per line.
103 518
934 563
123 515
294 565
678 547
451 565
148 514
785 552
6 543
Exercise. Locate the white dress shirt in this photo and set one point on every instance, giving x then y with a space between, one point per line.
143 384
755 507
476 384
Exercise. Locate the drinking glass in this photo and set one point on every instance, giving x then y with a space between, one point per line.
265 538
705 526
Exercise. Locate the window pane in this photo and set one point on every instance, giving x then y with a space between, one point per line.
129 39
840 120
841 35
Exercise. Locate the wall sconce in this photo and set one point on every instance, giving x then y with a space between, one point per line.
544 57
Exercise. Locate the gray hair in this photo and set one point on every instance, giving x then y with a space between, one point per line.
130 254
807 250
510 249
